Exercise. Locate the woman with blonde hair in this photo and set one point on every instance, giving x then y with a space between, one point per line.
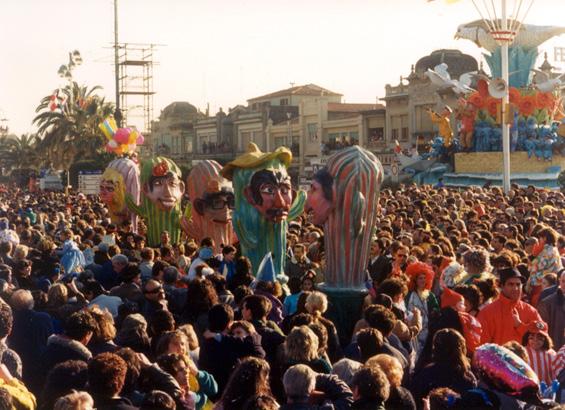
103 338
400 397
301 347
78 400
316 305
200 382
20 252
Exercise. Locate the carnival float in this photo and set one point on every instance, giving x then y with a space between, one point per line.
534 113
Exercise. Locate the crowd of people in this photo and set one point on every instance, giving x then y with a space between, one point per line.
90 317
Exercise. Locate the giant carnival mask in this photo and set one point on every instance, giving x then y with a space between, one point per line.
264 202
212 202
270 193
121 176
162 186
343 198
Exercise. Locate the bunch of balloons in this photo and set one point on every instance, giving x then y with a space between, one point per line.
120 140
504 371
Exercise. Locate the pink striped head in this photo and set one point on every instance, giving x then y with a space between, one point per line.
357 177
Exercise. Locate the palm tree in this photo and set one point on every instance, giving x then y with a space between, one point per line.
19 152
70 132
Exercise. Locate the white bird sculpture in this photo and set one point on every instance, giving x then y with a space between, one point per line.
440 77
545 84
529 36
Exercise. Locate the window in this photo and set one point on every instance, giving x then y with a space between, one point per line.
279 142
244 140
376 135
404 135
313 132
354 137
394 133
284 101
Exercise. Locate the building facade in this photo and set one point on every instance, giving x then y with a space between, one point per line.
407 103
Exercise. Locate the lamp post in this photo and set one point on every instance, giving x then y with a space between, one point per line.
505 101
503 32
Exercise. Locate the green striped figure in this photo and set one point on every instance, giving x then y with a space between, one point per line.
162 190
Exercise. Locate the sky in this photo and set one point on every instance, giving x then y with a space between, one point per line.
223 52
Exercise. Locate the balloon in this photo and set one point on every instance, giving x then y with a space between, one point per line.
108 127
113 144
131 148
504 371
132 137
140 139
122 135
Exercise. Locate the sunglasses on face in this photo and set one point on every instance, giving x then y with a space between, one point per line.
156 290
220 203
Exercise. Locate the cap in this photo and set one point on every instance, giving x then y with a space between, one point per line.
509 273
450 298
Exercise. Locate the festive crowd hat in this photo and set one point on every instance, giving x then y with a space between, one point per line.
255 157
450 298
158 167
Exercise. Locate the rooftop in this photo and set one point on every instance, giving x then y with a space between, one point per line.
345 107
307 90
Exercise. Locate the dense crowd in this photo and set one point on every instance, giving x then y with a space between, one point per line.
90 317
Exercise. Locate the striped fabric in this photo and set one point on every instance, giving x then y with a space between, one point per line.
357 177
542 362
559 361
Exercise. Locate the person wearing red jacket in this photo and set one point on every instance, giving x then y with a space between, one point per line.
508 318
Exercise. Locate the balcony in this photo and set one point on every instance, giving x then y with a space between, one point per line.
329 147
212 150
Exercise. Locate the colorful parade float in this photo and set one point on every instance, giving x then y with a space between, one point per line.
534 113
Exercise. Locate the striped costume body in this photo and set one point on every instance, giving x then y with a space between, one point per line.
542 363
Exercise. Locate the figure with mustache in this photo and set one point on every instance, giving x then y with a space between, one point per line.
264 203
162 190
212 202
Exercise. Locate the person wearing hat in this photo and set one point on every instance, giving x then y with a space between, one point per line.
130 287
508 318
444 124
264 203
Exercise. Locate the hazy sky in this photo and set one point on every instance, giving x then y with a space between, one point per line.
226 51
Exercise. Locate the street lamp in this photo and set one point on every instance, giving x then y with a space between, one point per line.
503 31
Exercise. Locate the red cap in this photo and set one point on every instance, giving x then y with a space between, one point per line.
450 298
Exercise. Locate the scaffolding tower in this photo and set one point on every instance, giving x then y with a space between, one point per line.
135 62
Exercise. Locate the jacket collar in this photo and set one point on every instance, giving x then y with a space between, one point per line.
506 301
67 343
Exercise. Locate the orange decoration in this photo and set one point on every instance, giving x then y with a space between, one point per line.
492 105
528 105
477 100
545 100
515 96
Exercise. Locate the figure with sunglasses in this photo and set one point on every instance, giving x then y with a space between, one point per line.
212 202
264 203
153 298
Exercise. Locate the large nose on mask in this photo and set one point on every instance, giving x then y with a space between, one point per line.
279 200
